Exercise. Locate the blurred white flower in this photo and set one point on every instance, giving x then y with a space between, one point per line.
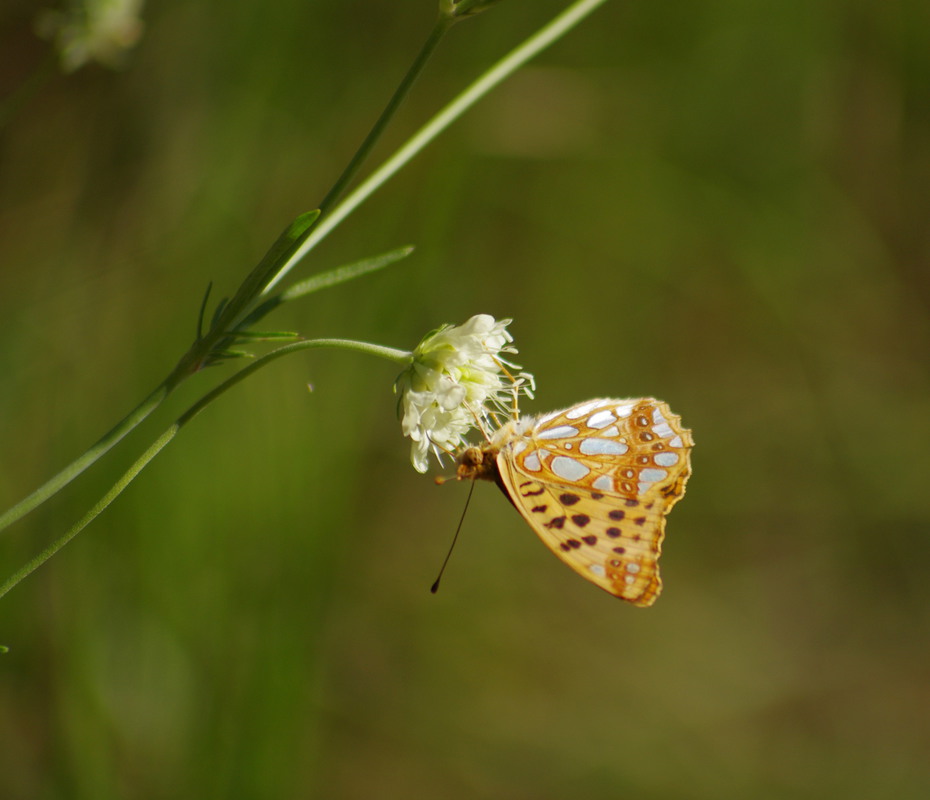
93 30
457 380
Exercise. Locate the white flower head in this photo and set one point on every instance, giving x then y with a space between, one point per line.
93 30
457 380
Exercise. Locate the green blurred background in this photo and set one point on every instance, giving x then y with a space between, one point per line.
720 203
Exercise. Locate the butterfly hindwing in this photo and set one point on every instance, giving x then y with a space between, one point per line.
595 482
610 541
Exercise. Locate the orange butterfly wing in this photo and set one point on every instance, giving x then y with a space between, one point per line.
595 482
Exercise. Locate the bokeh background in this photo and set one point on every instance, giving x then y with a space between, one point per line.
721 203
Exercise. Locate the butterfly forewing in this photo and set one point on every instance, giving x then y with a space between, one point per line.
595 482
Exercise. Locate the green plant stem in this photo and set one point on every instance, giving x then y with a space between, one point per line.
187 366
538 42
442 26
86 459
439 30
101 504
390 353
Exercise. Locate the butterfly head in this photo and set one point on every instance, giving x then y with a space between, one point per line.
477 463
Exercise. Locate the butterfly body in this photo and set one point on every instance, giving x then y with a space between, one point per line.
595 482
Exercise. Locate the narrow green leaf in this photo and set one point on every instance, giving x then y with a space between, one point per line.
267 268
203 309
324 280
345 273
219 310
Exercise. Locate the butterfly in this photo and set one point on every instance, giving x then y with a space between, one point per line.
595 482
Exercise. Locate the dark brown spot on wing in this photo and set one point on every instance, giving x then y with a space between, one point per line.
581 519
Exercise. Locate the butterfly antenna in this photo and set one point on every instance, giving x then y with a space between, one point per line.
435 587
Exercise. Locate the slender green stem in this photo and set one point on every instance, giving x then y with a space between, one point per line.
104 501
439 30
76 467
259 282
189 364
442 26
501 70
390 353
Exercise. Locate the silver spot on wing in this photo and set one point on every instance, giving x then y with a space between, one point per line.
559 432
602 447
568 468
